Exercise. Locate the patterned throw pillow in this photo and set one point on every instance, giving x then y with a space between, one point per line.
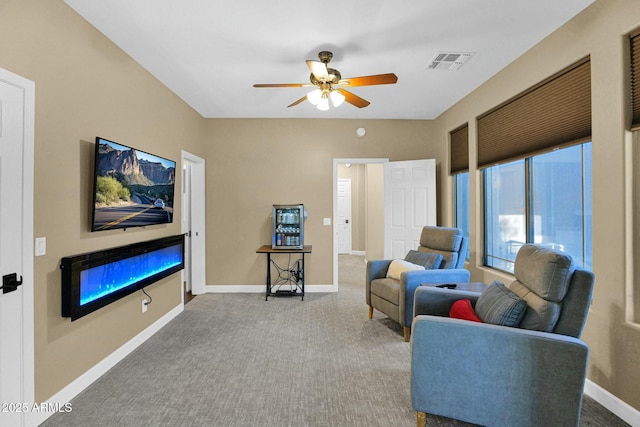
428 260
500 306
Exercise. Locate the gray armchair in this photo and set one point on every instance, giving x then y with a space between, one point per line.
488 374
442 250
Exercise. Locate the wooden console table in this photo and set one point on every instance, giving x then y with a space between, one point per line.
292 275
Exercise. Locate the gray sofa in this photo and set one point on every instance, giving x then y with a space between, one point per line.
489 374
442 251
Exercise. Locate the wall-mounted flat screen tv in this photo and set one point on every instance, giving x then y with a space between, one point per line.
131 188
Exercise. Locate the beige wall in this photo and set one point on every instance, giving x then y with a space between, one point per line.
375 211
85 86
600 31
633 305
252 164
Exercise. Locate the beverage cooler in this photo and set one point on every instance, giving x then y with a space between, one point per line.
288 227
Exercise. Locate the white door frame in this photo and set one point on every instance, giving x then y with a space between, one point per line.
27 375
336 162
196 226
186 223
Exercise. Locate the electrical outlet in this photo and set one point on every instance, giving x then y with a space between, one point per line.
144 305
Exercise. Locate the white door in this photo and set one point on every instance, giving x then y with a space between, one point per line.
16 235
193 222
186 221
409 204
344 221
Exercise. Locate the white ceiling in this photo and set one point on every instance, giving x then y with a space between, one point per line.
211 52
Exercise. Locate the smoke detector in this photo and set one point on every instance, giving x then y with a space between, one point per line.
448 61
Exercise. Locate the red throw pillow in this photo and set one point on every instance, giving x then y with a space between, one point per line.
462 309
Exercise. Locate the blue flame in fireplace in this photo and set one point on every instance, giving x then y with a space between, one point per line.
103 280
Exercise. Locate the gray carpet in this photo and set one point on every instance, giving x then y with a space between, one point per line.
236 360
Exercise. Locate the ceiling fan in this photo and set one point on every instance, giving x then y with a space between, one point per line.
329 84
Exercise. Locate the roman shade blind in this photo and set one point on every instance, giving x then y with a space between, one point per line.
635 79
554 113
459 149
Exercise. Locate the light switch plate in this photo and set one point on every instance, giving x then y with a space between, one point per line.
41 246
326 221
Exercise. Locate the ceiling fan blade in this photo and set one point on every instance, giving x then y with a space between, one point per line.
353 99
282 85
378 79
304 98
318 69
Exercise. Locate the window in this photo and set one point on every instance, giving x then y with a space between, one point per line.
504 191
459 169
461 185
543 199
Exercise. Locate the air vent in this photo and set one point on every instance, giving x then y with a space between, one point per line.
448 60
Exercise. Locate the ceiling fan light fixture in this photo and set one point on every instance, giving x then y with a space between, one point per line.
336 98
314 96
323 105
323 78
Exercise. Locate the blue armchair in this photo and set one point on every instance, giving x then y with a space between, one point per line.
442 251
488 374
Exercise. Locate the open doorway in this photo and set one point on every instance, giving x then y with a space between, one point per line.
357 198
390 203
193 225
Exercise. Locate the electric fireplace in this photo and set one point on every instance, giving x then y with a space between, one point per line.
93 280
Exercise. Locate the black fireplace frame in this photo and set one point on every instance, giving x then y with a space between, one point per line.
73 266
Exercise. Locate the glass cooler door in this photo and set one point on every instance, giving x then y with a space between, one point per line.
288 227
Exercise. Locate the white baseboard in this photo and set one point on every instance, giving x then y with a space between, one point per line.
319 289
623 410
85 380
259 289
234 289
